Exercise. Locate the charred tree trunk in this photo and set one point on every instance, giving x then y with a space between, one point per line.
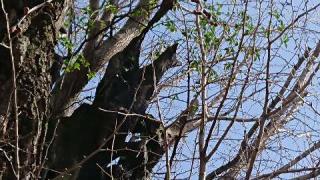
99 131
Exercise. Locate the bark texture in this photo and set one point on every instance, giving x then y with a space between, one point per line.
81 146
32 43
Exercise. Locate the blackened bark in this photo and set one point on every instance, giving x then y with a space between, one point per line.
139 157
83 133
123 89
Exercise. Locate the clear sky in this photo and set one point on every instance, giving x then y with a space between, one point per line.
296 136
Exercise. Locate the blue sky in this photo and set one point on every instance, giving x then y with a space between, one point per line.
297 135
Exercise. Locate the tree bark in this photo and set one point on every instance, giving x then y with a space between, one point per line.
94 134
33 44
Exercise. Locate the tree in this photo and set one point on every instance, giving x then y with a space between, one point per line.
225 88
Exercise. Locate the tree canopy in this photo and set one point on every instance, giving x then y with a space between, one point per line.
171 89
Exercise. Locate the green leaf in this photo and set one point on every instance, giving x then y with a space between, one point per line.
285 40
227 66
87 10
195 65
112 8
281 26
76 65
66 43
212 76
276 14
170 26
91 74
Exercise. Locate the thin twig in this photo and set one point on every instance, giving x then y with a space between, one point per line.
266 109
15 99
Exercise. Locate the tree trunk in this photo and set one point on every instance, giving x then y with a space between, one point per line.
33 42
80 146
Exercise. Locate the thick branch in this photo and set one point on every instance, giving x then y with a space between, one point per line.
73 82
